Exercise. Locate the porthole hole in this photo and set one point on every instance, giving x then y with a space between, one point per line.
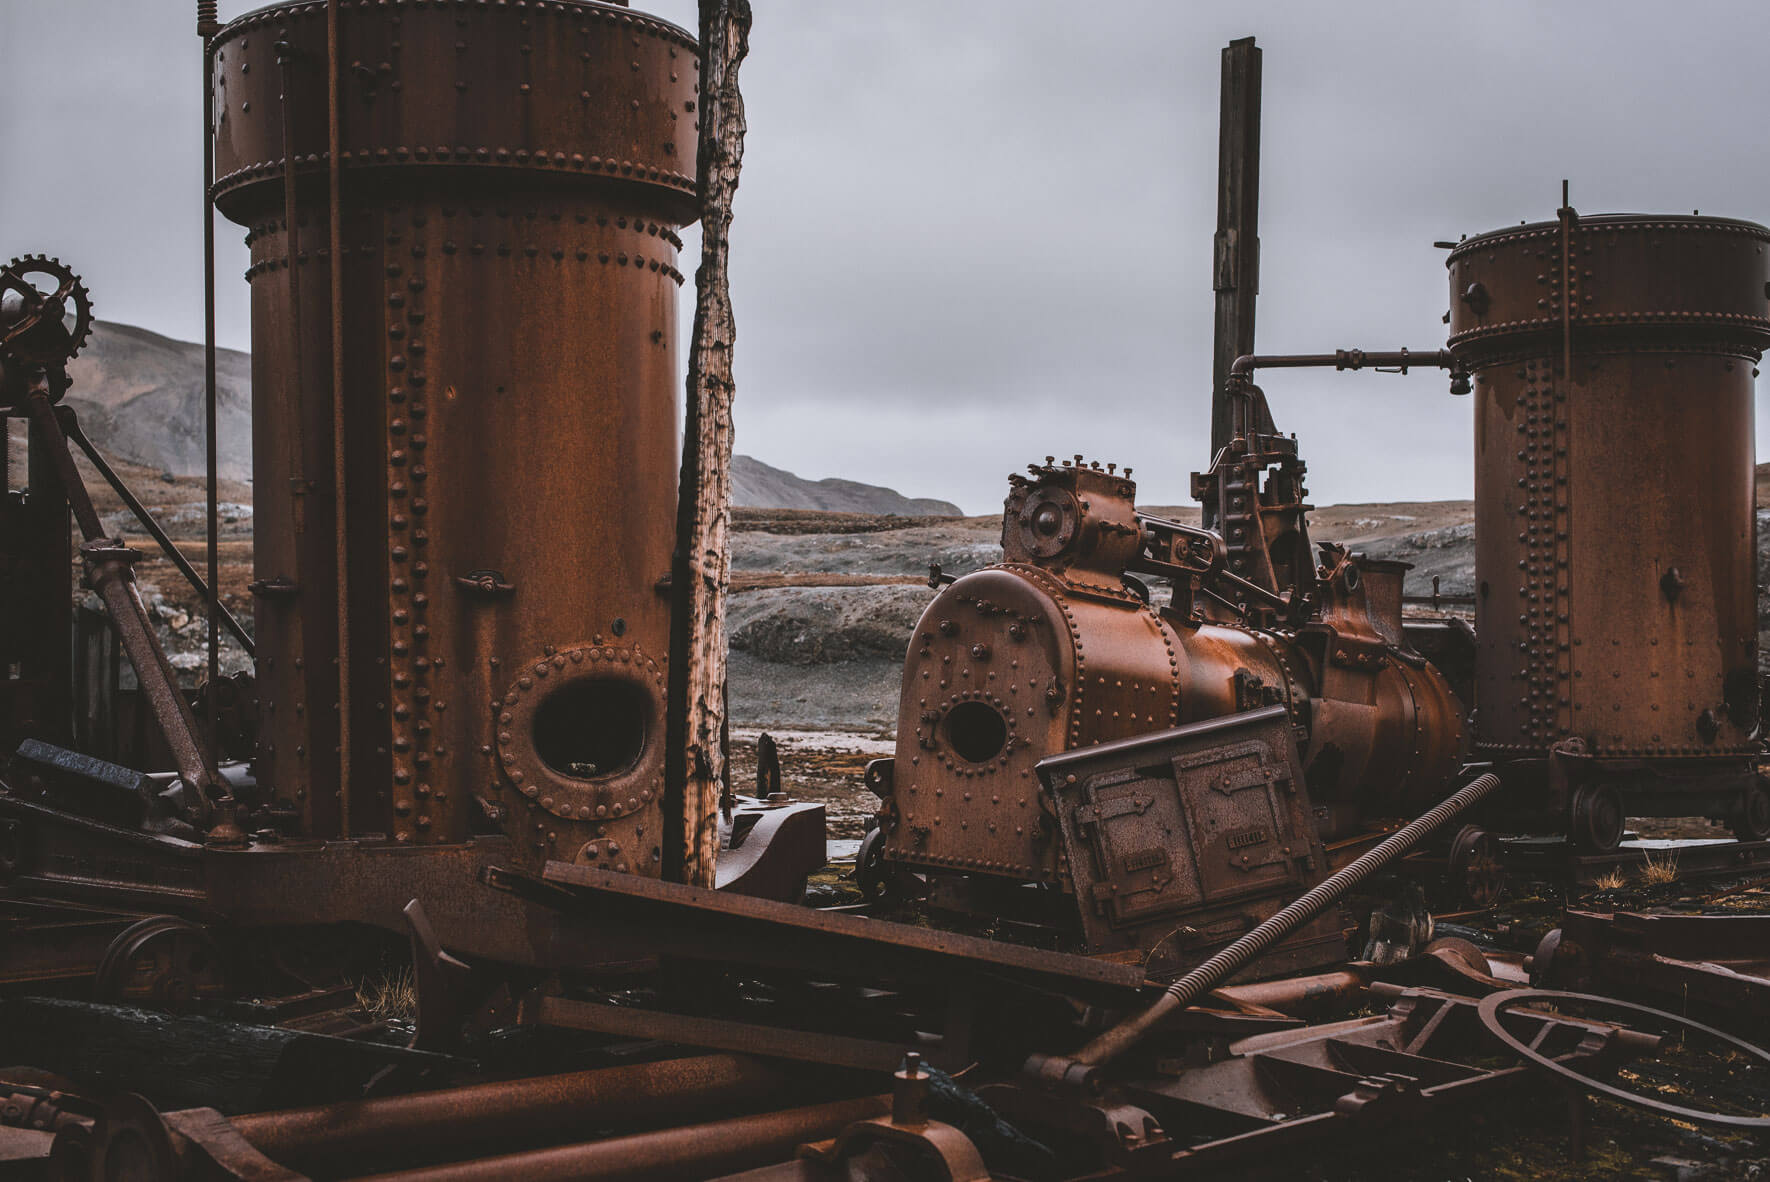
592 728
976 731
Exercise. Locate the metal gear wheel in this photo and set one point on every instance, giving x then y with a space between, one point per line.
45 311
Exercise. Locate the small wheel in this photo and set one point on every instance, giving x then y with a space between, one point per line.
870 872
1558 963
1752 821
1595 822
1477 873
163 962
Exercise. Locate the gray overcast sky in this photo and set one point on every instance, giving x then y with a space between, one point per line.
974 232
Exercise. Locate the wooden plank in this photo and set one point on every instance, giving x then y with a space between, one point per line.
701 572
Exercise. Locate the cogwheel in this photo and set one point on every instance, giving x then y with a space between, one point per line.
45 312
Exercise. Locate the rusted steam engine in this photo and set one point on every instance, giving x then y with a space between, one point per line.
1167 762
1059 728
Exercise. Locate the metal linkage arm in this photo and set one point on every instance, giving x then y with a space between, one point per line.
109 570
72 427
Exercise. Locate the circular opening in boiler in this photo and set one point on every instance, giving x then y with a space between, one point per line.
593 728
976 732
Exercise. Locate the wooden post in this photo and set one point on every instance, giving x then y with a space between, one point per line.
701 574
1235 270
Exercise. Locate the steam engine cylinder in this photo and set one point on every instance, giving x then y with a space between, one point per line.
513 177
1615 543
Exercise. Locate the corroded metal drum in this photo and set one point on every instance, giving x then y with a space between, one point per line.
1613 360
512 179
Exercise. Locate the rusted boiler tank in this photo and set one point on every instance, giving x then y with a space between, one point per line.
511 181
1613 359
1059 648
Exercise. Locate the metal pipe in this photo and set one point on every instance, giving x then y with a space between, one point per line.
339 500
212 594
1300 997
476 1118
1402 359
71 426
1228 961
1236 255
692 1151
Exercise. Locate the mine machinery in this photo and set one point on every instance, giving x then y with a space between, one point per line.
1140 763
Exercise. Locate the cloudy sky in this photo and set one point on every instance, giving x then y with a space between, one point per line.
974 232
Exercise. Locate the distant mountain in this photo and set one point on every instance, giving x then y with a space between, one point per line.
756 485
140 397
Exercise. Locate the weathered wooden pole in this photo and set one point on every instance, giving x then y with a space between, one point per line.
1235 261
701 574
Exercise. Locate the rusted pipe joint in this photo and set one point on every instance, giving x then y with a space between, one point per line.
106 560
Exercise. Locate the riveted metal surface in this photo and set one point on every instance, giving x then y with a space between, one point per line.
1614 505
620 792
509 335
562 92
1201 831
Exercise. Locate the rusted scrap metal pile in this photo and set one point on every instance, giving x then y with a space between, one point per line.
431 894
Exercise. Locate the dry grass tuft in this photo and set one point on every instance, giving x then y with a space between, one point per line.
1612 880
394 995
1659 870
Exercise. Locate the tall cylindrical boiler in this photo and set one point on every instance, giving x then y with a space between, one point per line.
512 179
1616 613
